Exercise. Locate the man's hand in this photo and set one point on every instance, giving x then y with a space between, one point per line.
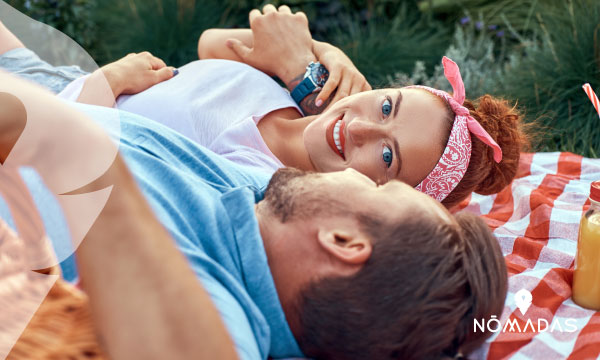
136 72
282 44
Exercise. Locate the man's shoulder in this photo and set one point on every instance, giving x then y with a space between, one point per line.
246 325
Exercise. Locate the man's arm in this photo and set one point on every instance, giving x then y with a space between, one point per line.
146 301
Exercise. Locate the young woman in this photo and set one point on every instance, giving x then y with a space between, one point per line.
421 136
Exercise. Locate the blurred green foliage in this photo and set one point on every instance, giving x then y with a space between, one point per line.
520 13
75 18
382 43
168 29
549 79
536 52
481 54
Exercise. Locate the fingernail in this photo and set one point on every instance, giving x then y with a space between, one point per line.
175 72
319 102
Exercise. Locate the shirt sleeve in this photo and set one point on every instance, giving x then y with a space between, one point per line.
235 319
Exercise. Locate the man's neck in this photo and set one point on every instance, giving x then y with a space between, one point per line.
270 232
283 132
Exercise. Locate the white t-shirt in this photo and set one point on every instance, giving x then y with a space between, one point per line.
217 103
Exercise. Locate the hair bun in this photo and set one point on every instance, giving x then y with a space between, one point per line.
484 175
503 123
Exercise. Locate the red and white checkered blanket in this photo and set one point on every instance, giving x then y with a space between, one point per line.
536 221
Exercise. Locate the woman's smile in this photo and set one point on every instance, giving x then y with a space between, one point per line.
334 135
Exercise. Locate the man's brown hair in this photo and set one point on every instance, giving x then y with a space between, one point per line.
415 298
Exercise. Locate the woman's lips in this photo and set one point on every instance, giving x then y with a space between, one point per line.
343 139
329 135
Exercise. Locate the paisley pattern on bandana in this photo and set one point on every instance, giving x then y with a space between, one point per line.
452 165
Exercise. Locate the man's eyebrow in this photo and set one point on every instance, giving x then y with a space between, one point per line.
397 103
398 158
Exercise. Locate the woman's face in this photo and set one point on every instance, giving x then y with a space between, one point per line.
385 134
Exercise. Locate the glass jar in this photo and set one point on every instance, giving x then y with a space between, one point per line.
586 278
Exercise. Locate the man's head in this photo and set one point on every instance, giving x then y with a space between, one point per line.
377 272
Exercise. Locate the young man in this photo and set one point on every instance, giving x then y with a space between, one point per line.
321 265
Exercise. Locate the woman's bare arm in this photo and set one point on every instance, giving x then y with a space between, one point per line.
212 44
130 75
276 45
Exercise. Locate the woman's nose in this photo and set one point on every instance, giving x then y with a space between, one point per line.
361 131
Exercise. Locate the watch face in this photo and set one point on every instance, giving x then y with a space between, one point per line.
319 74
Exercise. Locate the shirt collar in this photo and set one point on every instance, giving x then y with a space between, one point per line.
255 268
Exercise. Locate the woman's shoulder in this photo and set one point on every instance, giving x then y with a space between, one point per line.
209 96
229 86
220 67
236 90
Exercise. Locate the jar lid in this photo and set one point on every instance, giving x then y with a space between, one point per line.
595 191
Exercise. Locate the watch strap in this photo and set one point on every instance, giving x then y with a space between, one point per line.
302 90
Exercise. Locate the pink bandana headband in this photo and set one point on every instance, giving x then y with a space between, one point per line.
455 160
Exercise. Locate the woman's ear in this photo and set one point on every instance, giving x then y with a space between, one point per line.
350 247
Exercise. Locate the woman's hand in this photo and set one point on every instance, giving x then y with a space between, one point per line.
343 75
136 72
281 43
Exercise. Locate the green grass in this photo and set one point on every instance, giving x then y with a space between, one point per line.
481 55
73 17
168 29
380 48
386 40
549 79
520 14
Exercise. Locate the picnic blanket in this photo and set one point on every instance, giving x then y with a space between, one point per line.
536 220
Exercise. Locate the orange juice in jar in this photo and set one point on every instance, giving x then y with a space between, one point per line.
586 278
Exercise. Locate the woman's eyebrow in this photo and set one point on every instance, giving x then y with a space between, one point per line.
397 103
398 158
396 106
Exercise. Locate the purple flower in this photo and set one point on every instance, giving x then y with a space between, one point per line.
493 27
500 33
479 25
465 20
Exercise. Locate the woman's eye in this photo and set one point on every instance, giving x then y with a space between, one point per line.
387 156
386 107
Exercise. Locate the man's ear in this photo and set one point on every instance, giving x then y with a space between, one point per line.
351 247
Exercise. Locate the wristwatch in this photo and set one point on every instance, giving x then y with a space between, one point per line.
314 78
